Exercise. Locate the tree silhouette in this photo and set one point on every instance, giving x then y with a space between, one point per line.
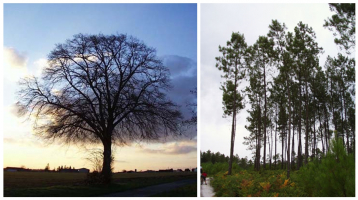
101 89
47 168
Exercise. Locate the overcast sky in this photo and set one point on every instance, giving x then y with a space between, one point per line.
217 22
31 32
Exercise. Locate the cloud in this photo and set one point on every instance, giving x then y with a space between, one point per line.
14 64
176 148
40 64
184 80
14 58
8 140
120 161
180 66
182 150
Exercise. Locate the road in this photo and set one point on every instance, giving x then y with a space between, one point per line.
207 190
152 190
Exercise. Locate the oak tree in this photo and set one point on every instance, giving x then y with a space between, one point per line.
107 89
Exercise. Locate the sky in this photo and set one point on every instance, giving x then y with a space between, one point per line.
217 22
31 32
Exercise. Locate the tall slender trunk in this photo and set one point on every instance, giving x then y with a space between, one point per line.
269 148
299 164
232 144
334 120
265 112
233 131
283 143
258 151
320 125
326 129
289 131
293 146
257 144
276 137
314 139
307 123
342 122
345 119
293 135
314 123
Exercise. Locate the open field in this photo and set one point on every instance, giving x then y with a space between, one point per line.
73 184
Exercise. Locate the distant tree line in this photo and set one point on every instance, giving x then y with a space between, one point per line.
211 157
64 167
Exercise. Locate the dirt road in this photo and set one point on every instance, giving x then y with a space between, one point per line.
207 190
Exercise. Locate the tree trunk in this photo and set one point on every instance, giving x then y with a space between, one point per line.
276 136
299 164
293 146
307 124
107 160
345 120
258 151
233 124
232 144
326 130
265 112
283 143
320 126
289 131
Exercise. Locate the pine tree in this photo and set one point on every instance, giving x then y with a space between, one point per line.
232 63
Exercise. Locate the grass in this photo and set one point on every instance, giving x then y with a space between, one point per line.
47 184
189 190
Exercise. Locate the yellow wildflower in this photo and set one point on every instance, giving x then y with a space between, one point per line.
285 183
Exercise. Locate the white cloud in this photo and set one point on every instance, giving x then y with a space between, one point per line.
173 148
40 64
14 64
14 58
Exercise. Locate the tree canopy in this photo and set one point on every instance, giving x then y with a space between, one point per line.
343 24
101 89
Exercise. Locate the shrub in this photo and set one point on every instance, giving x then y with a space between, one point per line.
255 184
333 176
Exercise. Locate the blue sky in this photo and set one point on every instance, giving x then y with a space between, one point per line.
31 32
35 28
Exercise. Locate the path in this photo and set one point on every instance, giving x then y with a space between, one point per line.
151 190
207 190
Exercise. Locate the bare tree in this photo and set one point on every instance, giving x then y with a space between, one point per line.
101 89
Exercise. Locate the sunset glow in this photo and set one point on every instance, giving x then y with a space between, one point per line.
25 56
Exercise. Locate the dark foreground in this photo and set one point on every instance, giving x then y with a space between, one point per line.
153 190
47 184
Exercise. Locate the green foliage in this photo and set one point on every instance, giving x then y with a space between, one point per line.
343 24
230 97
245 183
333 176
